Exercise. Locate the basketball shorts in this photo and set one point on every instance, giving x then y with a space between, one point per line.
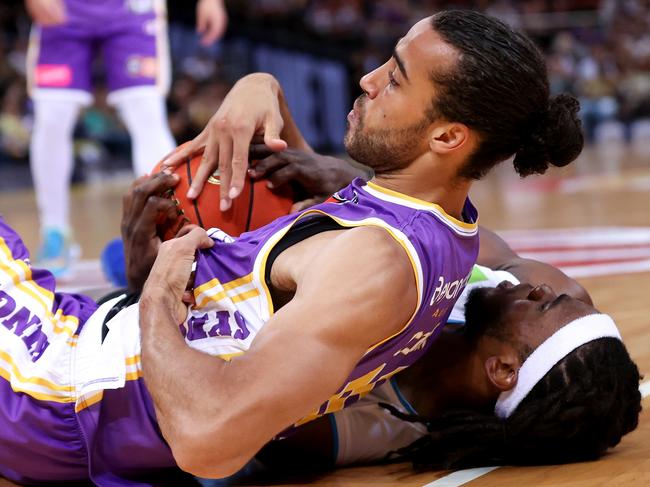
130 36
49 430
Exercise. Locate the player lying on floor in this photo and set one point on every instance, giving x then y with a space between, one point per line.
322 313
457 368
127 428
486 392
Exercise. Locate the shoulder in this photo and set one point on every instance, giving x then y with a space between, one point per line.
370 249
367 271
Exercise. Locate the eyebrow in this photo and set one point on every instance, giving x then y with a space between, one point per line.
400 64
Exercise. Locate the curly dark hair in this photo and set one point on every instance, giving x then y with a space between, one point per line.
581 407
499 87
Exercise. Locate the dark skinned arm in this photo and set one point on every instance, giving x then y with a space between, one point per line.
312 176
143 208
496 254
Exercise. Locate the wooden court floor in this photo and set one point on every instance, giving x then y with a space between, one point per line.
607 188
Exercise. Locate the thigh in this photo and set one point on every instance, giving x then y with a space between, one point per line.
39 439
60 57
136 50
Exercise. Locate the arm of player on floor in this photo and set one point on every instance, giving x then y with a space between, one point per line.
217 415
313 177
496 254
143 210
362 433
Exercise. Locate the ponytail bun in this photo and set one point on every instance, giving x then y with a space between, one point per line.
553 138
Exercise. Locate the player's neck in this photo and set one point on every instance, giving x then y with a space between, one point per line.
442 379
432 186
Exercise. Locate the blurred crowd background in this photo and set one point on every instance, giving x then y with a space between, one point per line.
597 50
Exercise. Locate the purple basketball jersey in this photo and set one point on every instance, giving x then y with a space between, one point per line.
233 301
74 407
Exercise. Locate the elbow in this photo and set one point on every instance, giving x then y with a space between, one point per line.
219 468
207 457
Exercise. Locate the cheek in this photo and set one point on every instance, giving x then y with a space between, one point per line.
523 320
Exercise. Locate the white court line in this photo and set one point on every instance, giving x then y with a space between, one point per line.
461 477
645 389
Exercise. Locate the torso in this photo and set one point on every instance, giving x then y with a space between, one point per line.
236 293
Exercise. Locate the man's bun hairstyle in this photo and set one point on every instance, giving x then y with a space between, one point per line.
555 138
499 88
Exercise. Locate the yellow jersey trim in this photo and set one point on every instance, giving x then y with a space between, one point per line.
39 381
86 402
347 224
439 209
45 298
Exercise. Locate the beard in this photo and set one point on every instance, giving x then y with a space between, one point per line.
384 150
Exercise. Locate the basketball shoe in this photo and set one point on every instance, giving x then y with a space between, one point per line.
57 252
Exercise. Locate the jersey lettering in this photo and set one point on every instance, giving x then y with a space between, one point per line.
24 325
195 328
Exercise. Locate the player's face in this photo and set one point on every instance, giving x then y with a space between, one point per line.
388 125
523 314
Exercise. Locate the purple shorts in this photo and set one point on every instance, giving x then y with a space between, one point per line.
129 35
48 432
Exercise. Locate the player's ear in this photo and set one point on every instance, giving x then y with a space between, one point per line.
502 370
447 137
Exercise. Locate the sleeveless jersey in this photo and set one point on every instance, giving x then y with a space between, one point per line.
232 295
63 366
233 301
366 431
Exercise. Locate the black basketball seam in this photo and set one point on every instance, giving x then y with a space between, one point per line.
251 199
195 202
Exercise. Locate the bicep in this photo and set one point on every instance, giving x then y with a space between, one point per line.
308 348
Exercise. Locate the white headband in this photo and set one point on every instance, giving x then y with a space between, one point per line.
550 352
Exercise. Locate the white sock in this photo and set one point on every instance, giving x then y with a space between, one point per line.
51 159
145 117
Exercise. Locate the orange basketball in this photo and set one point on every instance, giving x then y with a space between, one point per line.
255 207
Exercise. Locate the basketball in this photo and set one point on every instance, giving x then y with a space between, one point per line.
255 207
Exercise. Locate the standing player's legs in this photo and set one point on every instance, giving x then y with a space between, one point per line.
59 84
136 56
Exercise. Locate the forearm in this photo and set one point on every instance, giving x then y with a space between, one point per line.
180 382
161 340
493 250
208 410
495 253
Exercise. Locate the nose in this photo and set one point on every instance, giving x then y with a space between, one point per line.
368 84
505 285
541 292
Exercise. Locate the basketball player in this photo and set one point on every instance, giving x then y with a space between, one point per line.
131 36
438 384
452 428
308 313
43 439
